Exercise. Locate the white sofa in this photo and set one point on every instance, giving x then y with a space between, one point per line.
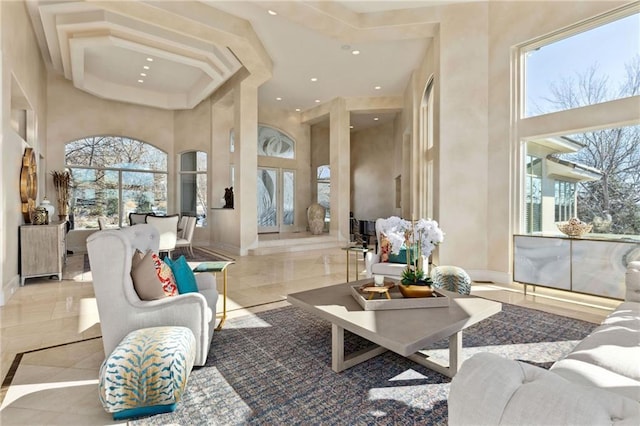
121 310
597 383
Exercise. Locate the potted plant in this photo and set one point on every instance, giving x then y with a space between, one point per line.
418 238
62 183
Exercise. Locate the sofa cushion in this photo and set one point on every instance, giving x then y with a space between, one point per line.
609 356
185 278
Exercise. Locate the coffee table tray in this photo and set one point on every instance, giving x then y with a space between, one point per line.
398 301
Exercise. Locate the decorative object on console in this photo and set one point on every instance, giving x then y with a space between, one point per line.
228 198
574 227
418 239
40 216
28 184
62 183
315 217
45 203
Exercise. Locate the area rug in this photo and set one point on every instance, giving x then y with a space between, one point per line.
200 254
274 368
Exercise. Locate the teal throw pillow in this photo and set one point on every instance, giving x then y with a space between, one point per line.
185 278
401 257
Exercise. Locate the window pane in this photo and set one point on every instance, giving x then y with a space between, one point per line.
188 161
267 200
274 143
201 205
610 197
115 152
288 194
144 192
588 68
94 194
188 189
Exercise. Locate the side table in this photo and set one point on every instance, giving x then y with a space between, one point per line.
217 267
357 250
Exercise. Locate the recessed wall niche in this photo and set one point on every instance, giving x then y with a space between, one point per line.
22 117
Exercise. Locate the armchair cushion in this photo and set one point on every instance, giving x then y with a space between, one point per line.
185 278
384 248
165 275
145 277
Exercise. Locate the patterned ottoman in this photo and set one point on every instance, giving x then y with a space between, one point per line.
451 278
147 372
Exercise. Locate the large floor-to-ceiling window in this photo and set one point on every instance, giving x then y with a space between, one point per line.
193 185
113 176
577 87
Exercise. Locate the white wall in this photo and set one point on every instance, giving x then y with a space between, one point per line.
372 172
20 58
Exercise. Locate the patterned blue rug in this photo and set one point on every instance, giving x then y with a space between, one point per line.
274 368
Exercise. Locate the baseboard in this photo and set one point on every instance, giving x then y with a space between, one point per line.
9 289
480 275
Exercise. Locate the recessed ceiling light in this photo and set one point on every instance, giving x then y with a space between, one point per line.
375 119
143 74
150 59
141 81
355 52
317 101
272 12
297 109
351 127
146 67
377 87
278 98
314 79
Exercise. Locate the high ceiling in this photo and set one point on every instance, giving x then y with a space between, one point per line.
105 48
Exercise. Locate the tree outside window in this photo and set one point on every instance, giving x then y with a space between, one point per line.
113 176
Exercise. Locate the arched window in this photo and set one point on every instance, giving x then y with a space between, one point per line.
193 185
113 176
273 143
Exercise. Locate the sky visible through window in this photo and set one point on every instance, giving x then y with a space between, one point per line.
610 47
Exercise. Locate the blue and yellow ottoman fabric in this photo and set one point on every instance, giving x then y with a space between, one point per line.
451 278
147 372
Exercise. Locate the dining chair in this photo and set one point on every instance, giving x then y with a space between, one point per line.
187 234
167 227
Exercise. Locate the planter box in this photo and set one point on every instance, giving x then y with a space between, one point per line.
398 301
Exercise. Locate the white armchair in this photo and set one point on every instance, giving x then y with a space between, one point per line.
373 263
121 310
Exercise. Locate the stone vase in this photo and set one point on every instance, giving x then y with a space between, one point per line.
315 217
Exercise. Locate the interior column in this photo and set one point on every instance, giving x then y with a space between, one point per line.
340 163
245 158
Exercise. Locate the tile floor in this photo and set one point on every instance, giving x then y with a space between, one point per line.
51 350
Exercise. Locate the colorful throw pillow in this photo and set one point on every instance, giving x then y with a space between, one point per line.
145 277
385 248
165 275
185 278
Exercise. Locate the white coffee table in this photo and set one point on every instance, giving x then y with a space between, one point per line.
404 331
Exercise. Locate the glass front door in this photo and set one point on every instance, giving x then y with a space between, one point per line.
276 199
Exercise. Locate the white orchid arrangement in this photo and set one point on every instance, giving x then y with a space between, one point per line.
424 234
